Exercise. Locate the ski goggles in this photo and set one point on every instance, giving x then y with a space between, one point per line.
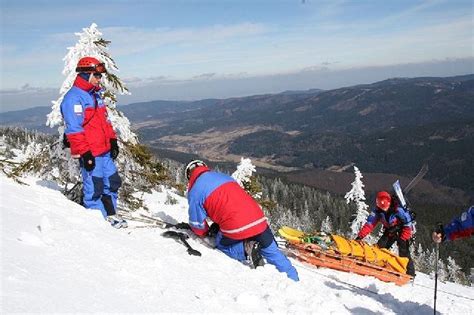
98 68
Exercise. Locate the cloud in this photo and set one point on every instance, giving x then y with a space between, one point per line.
204 76
26 89
25 97
132 40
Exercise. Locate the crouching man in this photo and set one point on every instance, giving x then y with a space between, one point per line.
242 229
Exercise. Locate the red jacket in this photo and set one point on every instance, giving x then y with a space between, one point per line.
219 197
85 114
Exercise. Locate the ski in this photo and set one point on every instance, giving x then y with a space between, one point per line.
402 192
399 192
183 238
166 225
158 223
417 178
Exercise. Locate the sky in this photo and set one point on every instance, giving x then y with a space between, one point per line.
185 50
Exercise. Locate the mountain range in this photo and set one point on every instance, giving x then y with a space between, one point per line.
392 126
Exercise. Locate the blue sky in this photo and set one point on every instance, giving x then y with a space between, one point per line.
200 46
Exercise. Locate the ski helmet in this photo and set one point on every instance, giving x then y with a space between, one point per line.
383 200
90 64
192 165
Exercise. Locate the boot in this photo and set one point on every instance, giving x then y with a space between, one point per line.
252 250
117 221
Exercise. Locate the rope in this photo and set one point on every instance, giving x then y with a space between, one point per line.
367 290
453 294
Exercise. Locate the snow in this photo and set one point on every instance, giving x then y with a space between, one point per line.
59 257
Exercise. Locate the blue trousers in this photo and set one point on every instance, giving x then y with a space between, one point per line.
100 186
269 250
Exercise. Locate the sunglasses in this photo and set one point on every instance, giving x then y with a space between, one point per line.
99 68
97 75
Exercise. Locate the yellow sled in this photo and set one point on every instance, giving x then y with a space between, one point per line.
346 255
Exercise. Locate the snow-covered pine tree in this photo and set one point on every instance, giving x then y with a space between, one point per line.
326 225
455 274
243 176
357 195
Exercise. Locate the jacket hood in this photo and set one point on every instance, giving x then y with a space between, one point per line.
198 171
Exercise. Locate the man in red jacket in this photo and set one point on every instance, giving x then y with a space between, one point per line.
397 224
242 229
93 140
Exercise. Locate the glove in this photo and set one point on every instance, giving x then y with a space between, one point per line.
88 161
438 234
358 238
182 226
66 143
114 149
405 234
213 229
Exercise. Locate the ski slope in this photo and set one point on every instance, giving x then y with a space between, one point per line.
58 257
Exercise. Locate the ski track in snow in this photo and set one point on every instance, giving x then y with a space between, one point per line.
59 257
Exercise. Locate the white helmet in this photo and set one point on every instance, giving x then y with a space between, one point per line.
192 165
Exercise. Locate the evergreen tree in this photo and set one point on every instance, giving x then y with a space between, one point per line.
243 176
326 225
357 195
455 273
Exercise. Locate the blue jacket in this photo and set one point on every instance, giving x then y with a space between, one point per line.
460 227
394 217
85 115
219 197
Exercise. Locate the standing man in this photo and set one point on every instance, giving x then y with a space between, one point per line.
93 140
397 224
242 229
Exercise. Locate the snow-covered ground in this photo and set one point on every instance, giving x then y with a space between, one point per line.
57 256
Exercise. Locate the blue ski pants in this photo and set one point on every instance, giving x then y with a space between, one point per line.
100 186
269 250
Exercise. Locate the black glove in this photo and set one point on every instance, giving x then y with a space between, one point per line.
88 161
114 149
213 229
358 238
182 226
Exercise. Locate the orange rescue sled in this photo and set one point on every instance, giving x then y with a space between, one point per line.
338 253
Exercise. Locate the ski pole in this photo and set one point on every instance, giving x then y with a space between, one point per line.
436 276
167 225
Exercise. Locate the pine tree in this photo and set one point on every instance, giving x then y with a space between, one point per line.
357 195
455 273
326 225
243 176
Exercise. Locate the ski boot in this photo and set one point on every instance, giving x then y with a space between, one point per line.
117 221
252 249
